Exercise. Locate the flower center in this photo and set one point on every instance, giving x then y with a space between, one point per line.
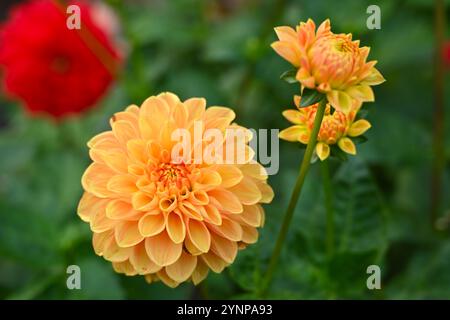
176 175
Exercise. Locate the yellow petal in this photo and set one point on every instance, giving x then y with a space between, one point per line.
228 200
95 180
196 108
124 131
229 229
87 202
247 191
287 51
140 260
340 100
293 116
168 281
266 192
224 248
175 227
322 150
292 133
151 224
230 174
127 234
162 250
122 184
199 235
212 214
252 215
347 145
286 34
361 92
183 268
215 263
358 128
200 272
121 210
249 234
100 222
124 267
374 78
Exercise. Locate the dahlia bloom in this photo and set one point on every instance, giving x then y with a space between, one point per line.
331 63
170 220
52 69
337 127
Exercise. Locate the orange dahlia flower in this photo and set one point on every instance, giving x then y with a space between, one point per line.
164 219
331 63
336 128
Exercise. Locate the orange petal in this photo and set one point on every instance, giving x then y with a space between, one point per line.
124 131
287 51
228 200
229 229
151 224
224 248
122 184
200 272
249 234
124 267
247 191
199 235
215 263
121 210
162 250
166 279
196 108
252 215
95 179
140 260
175 227
127 234
87 202
183 268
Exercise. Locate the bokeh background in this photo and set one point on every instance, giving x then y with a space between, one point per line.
391 201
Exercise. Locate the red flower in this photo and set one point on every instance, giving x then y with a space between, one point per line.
53 69
446 53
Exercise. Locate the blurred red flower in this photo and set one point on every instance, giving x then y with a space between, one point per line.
50 68
446 53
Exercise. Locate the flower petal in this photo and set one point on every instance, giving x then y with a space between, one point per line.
183 268
127 234
340 100
347 145
151 224
358 128
322 150
199 235
162 250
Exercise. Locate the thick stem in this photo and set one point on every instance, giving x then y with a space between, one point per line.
328 193
294 197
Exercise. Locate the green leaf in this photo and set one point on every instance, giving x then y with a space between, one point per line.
28 237
289 76
360 139
310 97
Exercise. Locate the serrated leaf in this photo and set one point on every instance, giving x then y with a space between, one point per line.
310 97
289 76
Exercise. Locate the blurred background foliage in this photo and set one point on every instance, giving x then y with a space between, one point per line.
220 49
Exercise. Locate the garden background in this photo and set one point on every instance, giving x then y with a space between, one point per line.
386 213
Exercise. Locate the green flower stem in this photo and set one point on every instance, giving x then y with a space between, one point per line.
328 193
294 197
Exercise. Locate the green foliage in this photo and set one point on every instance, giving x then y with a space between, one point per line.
206 48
